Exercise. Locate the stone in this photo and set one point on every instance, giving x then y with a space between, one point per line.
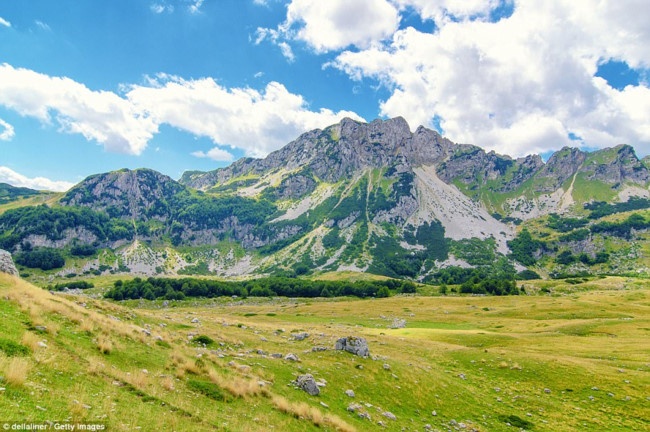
307 383
349 392
318 348
386 366
300 336
291 357
7 263
389 415
353 407
195 320
355 345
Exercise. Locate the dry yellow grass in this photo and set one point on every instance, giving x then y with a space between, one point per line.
30 340
16 370
304 411
105 344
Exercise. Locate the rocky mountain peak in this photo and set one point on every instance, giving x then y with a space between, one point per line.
123 193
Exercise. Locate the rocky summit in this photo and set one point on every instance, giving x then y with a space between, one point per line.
371 197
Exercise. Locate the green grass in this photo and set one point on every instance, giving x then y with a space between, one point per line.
563 361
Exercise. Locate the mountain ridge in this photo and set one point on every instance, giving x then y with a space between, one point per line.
370 197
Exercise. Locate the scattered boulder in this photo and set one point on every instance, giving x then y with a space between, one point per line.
195 320
300 336
349 392
318 348
355 345
308 384
7 263
291 357
389 415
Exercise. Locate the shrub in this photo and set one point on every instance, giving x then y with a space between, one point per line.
11 348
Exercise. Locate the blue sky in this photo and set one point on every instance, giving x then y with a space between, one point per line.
175 85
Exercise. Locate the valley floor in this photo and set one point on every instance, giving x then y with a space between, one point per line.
573 359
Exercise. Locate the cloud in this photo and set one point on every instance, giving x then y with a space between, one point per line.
256 121
43 26
101 116
518 85
195 6
7 175
8 133
159 8
215 154
335 24
4 22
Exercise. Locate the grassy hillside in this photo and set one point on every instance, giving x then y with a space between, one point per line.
572 356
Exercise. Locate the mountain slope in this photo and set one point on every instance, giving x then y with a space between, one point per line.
370 197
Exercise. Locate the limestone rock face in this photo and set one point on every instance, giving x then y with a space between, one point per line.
355 345
7 263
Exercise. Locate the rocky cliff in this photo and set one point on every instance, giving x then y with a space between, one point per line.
7 263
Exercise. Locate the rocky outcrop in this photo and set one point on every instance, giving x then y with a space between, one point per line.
355 345
307 383
139 194
7 263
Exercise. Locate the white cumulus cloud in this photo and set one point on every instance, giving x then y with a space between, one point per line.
7 175
257 122
335 24
4 22
6 131
521 84
215 154
102 116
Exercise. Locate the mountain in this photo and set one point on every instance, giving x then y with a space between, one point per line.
10 193
372 197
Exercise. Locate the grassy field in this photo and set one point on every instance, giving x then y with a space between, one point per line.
571 356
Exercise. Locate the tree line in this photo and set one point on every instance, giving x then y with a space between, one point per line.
180 288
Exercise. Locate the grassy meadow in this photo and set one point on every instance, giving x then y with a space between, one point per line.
568 356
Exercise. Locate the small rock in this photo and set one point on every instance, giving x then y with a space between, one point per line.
389 415
359 366
40 408
42 344
318 348
365 415
433 413
428 426
144 371
324 404
86 406
40 328
462 376
353 407
195 320
307 383
547 390
386 366
276 355
291 357
263 339
349 393
355 345
300 336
